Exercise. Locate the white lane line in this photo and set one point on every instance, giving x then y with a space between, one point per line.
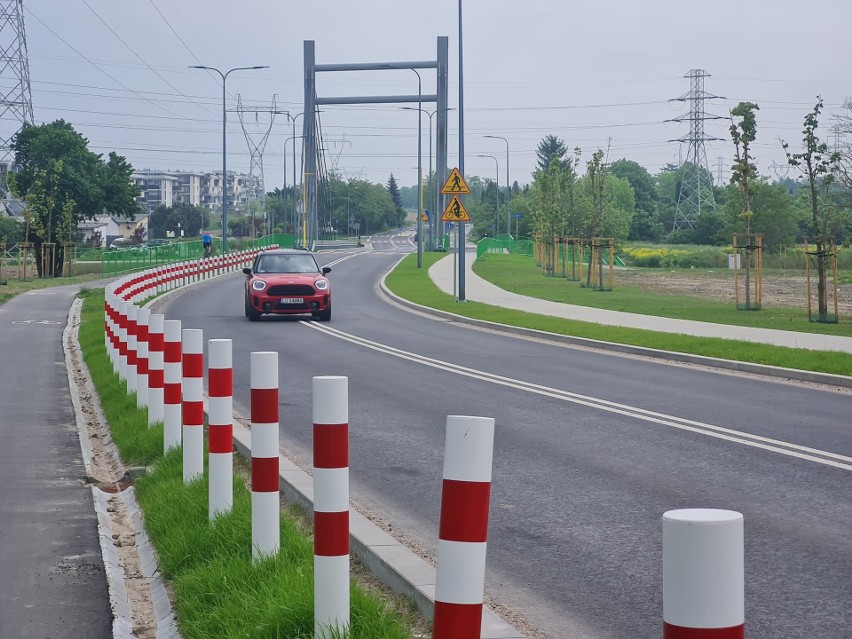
757 441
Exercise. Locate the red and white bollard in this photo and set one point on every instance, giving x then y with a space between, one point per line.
172 387
142 318
220 416
331 505
193 403
703 574
132 313
463 530
265 515
155 368
122 339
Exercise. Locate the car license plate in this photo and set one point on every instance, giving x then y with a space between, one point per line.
292 300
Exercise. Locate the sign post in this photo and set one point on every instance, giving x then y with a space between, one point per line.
455 212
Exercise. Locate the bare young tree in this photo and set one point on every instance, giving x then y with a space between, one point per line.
743 172
818 165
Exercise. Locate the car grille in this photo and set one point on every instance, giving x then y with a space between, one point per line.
291 290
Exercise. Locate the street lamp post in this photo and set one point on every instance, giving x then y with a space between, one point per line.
508 187
224 77
497 185
434 218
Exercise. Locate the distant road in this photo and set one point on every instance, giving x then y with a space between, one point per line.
591 450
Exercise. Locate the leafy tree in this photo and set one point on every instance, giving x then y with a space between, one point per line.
190 219
64 183
548 215
393 190
644 186
743 172
549 146
817 165
11 231
279 209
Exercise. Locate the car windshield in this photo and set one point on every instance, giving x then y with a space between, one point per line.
286 264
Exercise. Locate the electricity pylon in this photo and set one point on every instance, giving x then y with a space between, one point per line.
696 187
16 100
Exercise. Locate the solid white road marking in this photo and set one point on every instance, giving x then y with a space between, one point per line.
719 432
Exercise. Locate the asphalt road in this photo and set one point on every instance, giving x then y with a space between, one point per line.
591 449
52 582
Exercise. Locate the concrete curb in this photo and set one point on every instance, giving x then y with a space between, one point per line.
163 613
123 625
826 379
395 565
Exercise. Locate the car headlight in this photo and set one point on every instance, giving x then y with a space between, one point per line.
258 285
322 285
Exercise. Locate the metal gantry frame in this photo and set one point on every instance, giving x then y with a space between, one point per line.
312 102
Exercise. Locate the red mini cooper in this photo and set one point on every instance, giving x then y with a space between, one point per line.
287 282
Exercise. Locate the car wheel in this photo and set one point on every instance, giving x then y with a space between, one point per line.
324 316
251 313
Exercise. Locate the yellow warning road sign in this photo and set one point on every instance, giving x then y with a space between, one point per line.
455 184
455 212
424 216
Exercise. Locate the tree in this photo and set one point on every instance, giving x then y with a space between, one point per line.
817 164
743 174
171 220
549 146
64 183
393 190
644 225
11 231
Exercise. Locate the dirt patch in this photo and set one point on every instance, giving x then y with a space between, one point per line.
784 290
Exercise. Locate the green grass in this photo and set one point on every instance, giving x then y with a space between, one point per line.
414 284
518 274
218 590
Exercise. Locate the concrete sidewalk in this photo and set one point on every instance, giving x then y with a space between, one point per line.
479 290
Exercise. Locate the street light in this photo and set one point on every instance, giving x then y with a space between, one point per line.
224 77
508 188
433 200
497 185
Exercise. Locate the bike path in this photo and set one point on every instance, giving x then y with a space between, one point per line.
480 290
53 581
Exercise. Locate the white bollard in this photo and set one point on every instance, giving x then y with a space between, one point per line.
142 317
463 529
193 403
132 311
265 515
703 574
122 339
156 362
220 416
331 505
172 387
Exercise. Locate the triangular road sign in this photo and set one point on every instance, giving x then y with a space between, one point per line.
424 215
455 212
455 184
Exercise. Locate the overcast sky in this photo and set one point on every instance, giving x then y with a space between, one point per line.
592 73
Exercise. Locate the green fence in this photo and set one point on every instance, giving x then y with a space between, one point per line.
140 257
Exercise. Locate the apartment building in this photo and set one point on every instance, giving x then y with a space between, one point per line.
189 187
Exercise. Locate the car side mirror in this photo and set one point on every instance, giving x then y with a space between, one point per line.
247 271
326 270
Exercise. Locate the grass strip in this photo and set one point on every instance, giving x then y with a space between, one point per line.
414 284
218 590
519 274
